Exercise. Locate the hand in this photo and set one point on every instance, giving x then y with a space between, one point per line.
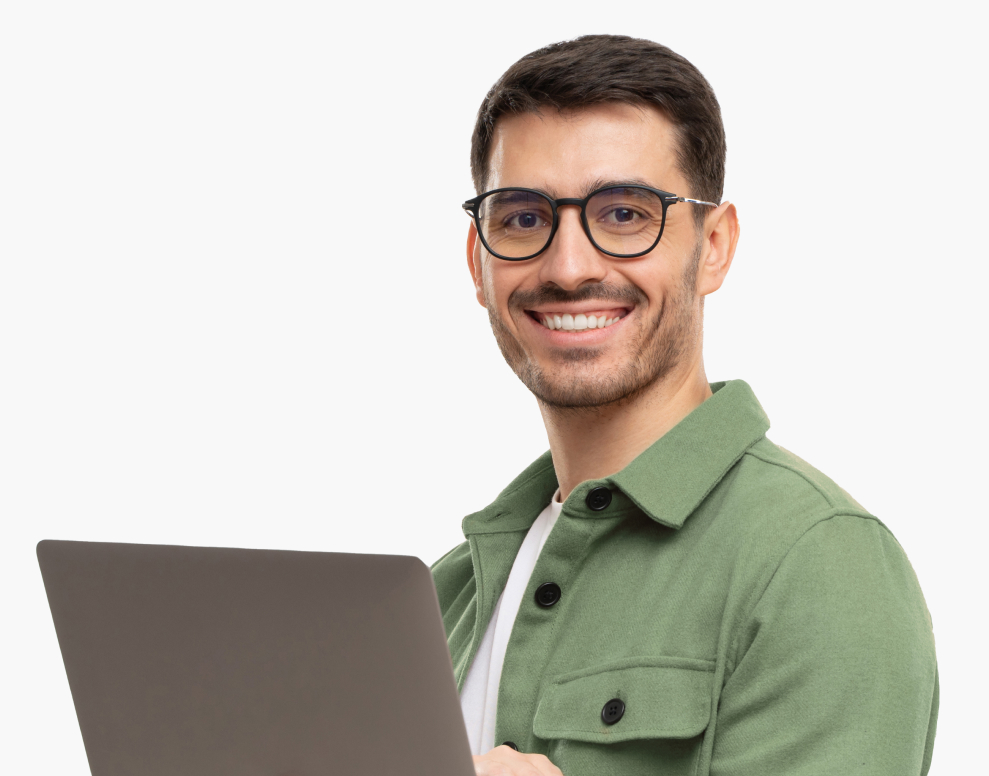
505 761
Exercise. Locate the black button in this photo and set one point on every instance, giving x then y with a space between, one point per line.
510 744
612 711
548 594
598 499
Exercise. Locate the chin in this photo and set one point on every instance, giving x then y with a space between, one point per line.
616 387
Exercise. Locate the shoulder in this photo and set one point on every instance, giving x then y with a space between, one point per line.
773 497
789 520
829 629
810 545
767 467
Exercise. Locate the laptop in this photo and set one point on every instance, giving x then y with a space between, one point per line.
199 660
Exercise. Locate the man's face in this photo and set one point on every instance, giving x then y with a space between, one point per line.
654 297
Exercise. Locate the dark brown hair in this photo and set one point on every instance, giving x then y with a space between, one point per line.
595 69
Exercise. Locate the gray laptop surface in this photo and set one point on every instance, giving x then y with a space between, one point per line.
197 660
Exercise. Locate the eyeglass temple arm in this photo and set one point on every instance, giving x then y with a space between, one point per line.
693 201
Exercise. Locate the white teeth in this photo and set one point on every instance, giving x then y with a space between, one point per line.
579 322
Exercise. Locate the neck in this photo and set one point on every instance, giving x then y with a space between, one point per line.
595 442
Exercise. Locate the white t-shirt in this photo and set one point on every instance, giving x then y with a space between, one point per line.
479 698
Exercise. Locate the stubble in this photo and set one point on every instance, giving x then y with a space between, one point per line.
656 349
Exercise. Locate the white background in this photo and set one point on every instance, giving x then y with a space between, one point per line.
235 310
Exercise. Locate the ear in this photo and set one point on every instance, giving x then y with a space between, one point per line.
474 262
721 230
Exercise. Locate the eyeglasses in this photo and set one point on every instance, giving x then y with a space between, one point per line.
620 221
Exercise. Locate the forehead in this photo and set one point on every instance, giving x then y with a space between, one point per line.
565 153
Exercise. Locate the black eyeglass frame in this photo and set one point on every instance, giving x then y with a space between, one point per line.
472 207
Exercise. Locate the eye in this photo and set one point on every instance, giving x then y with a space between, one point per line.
622 216
625 210
525 220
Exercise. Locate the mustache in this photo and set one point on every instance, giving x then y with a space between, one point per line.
627 295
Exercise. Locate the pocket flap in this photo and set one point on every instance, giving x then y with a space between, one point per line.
664 697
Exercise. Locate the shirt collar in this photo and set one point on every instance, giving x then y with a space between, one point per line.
667 481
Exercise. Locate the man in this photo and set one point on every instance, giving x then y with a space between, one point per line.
665 591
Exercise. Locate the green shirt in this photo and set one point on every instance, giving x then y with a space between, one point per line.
749 614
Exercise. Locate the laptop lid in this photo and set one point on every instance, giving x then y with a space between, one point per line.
197 660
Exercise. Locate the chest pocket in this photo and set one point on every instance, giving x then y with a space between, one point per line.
662 705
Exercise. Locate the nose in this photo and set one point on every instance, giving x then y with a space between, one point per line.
571 259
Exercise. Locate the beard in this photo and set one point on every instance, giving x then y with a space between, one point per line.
655 349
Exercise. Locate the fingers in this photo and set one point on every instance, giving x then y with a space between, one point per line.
505 761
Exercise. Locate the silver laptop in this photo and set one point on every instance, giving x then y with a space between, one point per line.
197 660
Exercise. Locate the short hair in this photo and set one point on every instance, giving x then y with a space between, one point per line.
595 69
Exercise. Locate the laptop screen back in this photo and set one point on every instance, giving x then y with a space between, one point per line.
196 661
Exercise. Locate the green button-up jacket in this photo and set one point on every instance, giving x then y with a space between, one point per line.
750 615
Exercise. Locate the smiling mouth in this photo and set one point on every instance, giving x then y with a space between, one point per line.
598 319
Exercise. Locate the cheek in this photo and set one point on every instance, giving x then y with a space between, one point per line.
488 283
653 282
500 279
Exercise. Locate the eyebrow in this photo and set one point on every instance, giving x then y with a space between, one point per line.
512 196
601 183
616 184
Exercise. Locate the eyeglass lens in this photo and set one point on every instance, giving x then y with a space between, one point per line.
624 221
